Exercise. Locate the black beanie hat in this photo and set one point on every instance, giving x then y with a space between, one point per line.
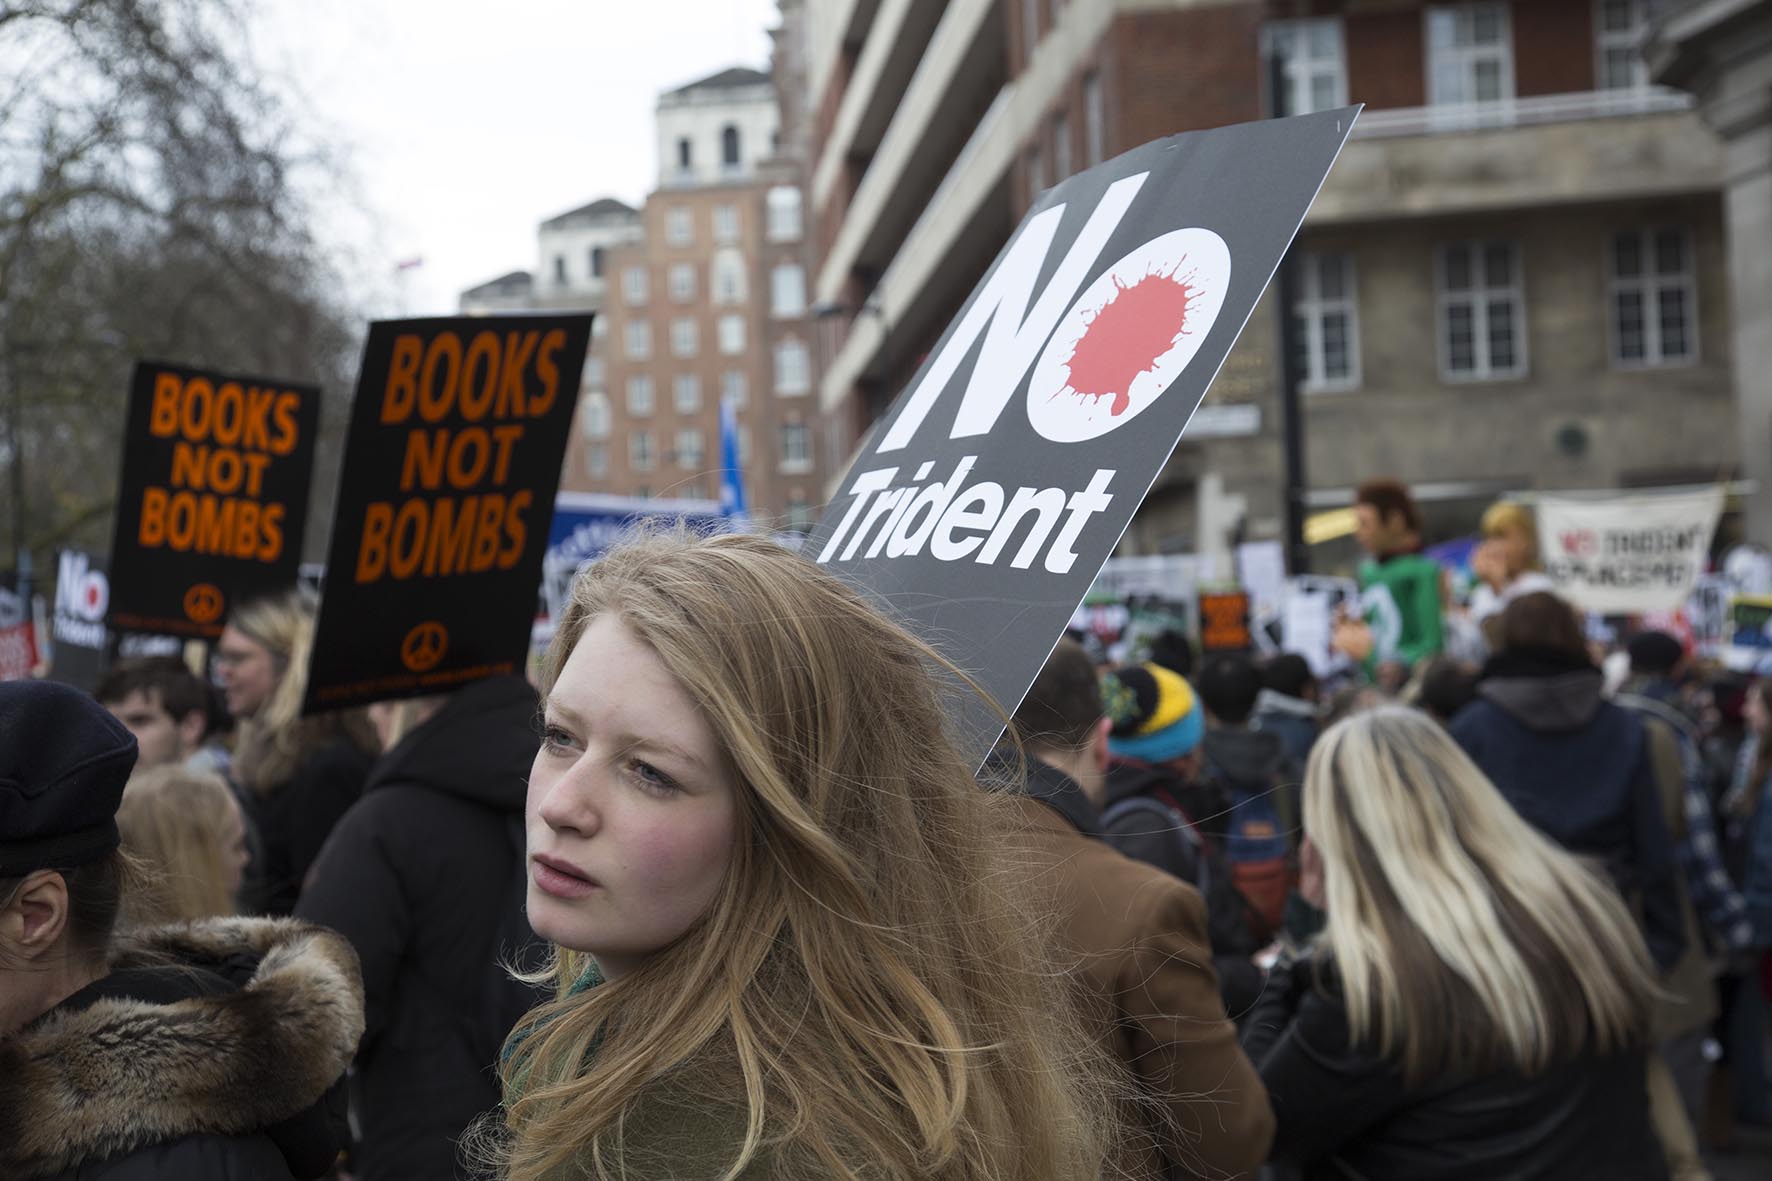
63 763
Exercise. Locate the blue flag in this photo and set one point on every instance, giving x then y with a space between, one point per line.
733 506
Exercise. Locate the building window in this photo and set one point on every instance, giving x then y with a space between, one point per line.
1061 146
793 367
783 203
728 276
799 512
1328 323
796 447
1470 54
1311 61
599 327
593 415
684 339
1653 298
596 262
681 280
732 387
689 453
686 393
637 339
679 226
731 334
595 374
685 154
1094 122
1620 29
597 460
725 224
729 153
1036 165
640 396
560 269
1482 311
635 288
641 453
691 490
787 290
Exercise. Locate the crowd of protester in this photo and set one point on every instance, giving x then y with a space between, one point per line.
719 897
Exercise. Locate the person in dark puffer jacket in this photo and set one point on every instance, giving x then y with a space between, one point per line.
210 1051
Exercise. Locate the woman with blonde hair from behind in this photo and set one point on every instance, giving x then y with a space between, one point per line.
785 944
1479 1003
188 829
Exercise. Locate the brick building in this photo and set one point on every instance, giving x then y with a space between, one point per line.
1514 278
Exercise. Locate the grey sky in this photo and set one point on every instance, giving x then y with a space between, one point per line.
466 123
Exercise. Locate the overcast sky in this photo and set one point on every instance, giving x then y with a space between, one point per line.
465 123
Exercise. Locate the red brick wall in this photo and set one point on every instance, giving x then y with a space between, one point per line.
1386 58
1169 72
1553 46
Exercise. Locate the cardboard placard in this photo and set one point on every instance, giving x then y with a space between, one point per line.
999 482
586 523
213 497
18 631
1628 553
78 637
457 434
1224 622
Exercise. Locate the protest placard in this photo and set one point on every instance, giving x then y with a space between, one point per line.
213 497
585 524
990 494
1224 622
450 469
1627 553
18 633
78 637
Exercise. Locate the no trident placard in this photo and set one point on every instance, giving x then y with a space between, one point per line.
457 434
1000 481
213 497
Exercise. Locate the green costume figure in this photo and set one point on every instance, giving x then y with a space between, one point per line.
1401 600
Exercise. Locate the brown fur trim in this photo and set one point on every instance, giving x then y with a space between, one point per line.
122 1075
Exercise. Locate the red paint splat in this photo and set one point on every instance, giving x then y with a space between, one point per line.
1126 335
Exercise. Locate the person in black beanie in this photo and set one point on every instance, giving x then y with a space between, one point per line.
122 1055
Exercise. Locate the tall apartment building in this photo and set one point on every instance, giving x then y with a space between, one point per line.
1514 278
701 296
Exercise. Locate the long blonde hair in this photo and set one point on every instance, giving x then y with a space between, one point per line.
1463 937
862 997
274 741
175 821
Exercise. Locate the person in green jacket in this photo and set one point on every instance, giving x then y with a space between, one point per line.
1402 590
790 934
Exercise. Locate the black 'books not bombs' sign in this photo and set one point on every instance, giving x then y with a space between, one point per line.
457 433
999 482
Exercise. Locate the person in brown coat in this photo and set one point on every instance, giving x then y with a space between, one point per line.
1143 961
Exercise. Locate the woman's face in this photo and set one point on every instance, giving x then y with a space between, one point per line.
246 671
632 809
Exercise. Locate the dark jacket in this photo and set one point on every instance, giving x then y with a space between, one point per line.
1344 1111
209 1053
1577 768
1256 763
294 820
425 876
1292 719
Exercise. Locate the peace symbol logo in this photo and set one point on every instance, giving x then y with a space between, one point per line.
203 603
424 646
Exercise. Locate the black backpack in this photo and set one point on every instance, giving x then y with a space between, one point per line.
1190 855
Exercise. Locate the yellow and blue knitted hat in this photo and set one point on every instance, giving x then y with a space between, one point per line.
1155 715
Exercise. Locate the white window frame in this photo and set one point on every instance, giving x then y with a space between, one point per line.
1479 295
686 393
636 340
787 291
1460 62
734 385
793 367
1650 283
681 281
597 460
795 464
685 337
1630 39
1094 120
732 334
728 264
595 416
595 371
1313 309
1293 41
636 286
642 454
784 208
725 225
642 395
679 226
693 456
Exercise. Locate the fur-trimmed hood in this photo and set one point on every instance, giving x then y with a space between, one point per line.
91 1083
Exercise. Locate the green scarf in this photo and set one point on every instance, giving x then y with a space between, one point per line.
588 979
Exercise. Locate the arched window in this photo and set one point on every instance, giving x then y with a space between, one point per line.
685 155
729 146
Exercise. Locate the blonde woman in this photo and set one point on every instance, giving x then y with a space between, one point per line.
299 774
187 827
1479 1004
785 945
1506 561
